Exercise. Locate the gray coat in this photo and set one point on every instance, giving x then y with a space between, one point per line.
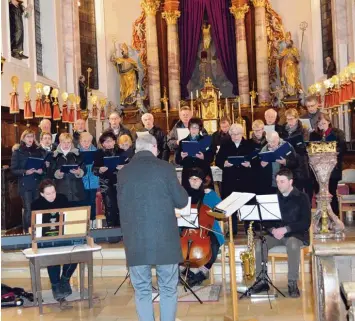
147 193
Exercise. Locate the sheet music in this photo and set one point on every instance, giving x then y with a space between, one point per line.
269 128
182 133
39 218
186 211
140 134
270 211
249 213
190 221
306 123
270 198
53 138
234 202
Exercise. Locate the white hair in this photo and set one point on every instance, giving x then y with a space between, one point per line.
271 135
145 142
43 121
236 128
147 114
271 111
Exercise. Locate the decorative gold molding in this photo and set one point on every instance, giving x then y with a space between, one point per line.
322 147
150 7
171 16
259 3
239 12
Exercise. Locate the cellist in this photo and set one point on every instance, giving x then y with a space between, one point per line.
201 196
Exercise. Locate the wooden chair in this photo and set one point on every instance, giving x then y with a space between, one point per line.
346 201
280 252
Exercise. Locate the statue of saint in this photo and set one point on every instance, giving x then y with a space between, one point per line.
128 70
16 10
206 34
83 93
289 70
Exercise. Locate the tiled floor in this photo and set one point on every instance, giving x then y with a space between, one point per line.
122 306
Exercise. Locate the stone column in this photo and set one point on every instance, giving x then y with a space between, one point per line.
262 68
150 8
239 8
171 14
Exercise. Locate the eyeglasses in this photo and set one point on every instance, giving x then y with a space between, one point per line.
291 118
195 127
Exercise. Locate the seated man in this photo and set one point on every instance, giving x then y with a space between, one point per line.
292 231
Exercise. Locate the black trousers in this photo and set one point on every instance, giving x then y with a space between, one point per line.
27 198
109 196
214 249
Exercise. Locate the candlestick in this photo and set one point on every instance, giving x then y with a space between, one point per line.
219 95
196 93
191 95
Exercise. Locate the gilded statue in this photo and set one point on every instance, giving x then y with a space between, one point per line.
128 71
206 34
289 69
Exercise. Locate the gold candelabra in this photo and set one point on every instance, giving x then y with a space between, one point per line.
165 100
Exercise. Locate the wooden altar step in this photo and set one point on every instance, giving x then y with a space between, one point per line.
112 263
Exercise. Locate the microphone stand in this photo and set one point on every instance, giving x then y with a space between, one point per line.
263 276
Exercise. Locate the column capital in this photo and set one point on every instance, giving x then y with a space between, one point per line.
259 3
171 16
150 7
239 12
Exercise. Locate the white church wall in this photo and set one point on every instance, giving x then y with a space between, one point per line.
292 14
26 70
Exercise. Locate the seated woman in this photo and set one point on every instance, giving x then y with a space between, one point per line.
49 199
107 178
325 131
70 184
200 160
199 195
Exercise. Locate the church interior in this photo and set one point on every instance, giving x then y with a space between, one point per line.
115 70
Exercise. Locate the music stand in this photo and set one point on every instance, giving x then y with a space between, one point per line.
266 209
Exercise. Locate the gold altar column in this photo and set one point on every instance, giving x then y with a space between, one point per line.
262 68
150 8
171 14
239 8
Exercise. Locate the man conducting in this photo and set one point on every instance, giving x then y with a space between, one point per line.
147 193
292 231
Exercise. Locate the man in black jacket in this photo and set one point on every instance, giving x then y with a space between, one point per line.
163 149
80 127
116 127
221 135
292 231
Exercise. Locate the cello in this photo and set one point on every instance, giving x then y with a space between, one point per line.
195 242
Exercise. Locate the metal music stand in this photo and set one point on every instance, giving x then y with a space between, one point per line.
266 208
124 280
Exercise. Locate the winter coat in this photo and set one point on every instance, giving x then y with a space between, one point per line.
341 149
148 192
70 185
217 138
90 180
164 151
236 178
19 159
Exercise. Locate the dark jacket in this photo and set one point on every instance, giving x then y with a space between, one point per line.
267 173
70 185
148 191
18 167
107 179
76 139
191 162
217 138
296 215
122 131
341 149
164 151
302 172
313 118
61 201
256 169
235 178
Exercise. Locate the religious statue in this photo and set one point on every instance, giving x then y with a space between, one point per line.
289 69
16 11
277 96
209 106
83 93
206 34
128 70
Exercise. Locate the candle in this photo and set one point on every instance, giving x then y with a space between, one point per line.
226 101
197 93
179 106
192 96
219 95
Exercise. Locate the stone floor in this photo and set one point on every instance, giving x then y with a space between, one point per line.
121 307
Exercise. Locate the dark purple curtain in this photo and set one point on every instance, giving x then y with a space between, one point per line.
223 35
190 24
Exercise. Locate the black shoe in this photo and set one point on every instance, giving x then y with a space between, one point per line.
57 292
197 279
293 290
260 286
16 55
65 287
23 56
